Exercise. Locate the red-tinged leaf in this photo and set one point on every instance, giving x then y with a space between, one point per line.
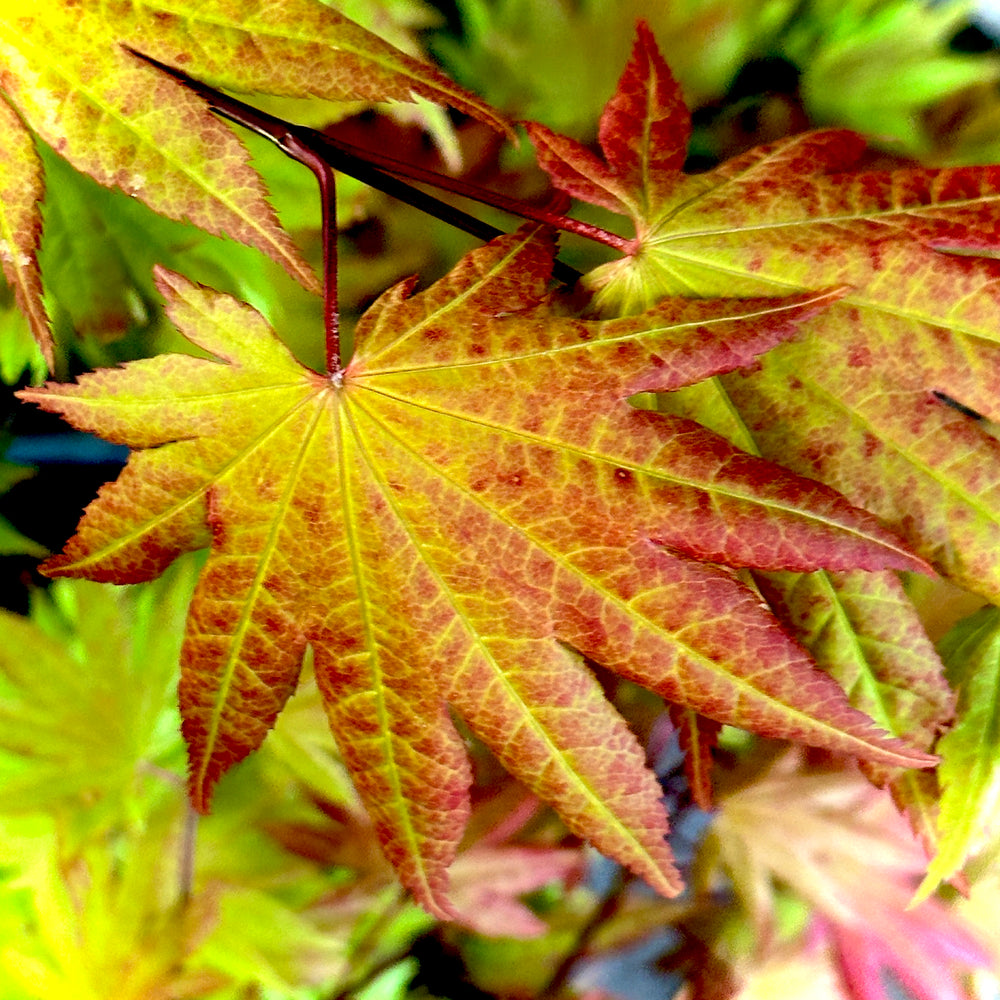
698 737
853 864
923 467
158 141
21 188
926 948
645 129
863 630
643 133
854 400
576 170
487 881
453 519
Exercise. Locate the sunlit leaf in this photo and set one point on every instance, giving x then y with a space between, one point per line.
454 518
859 400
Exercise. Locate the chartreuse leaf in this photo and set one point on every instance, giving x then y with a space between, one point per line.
19 350
86 686
863 628
970 751
100 248
878 65
297 48
100 926
453 519
853 401
68 72
118 119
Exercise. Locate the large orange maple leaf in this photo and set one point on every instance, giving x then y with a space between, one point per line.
456 519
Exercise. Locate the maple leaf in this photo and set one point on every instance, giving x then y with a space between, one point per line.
859 400
453 519
882 66
70 75
864 631
487 879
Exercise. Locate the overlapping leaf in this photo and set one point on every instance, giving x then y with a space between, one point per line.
452 520
67 70
861 628
865 632
853 403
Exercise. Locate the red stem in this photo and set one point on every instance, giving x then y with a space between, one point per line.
484 196
326 177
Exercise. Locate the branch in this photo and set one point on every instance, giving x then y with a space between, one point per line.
310 147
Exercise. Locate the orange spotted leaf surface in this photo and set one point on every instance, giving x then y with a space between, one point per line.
453 523
861 400
68 71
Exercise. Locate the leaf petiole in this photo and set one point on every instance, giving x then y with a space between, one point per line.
327 179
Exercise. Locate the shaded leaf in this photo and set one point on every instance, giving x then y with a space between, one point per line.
698 737
21 188
854 865
487 881
878 65
453 519
12 542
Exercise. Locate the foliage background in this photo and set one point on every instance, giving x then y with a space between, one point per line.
102 893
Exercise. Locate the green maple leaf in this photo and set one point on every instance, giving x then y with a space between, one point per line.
86 686
970 764
880 64
452 520
71 78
